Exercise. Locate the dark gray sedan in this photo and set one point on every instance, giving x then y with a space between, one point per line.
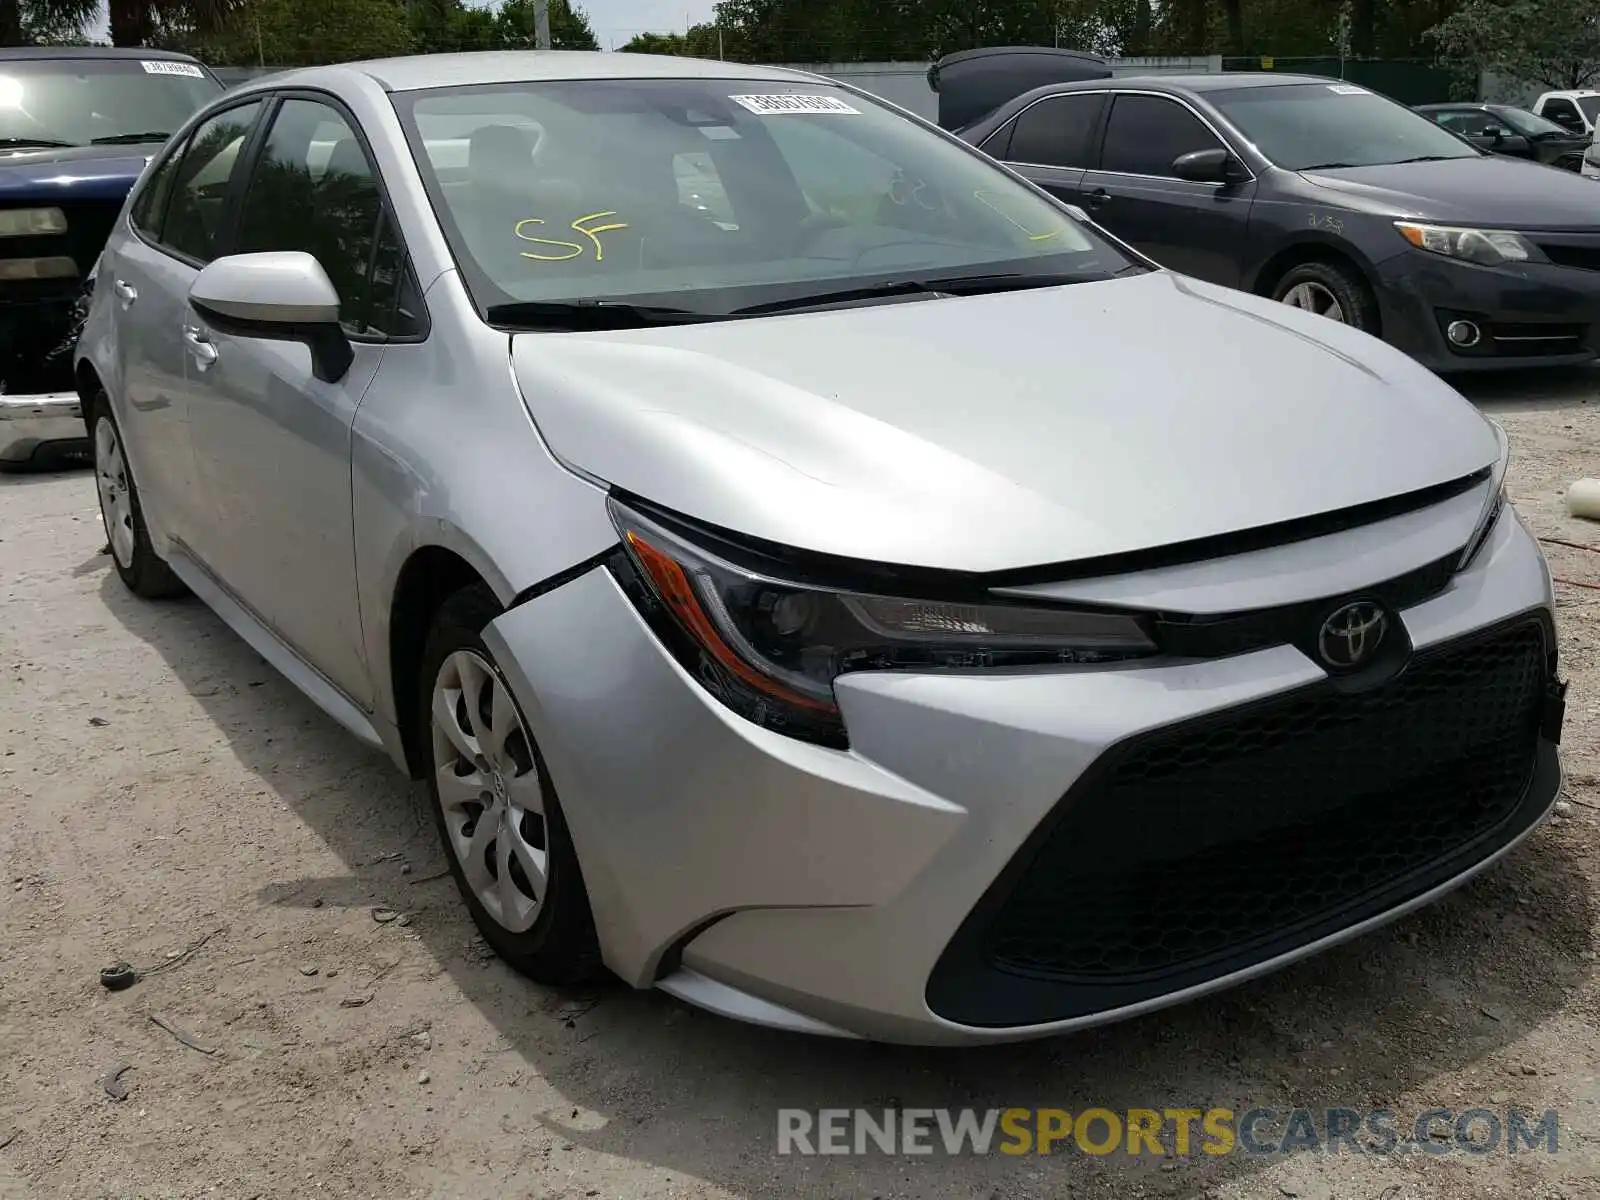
1328 197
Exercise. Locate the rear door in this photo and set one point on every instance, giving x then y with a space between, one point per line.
1195 228
1049 142
172 229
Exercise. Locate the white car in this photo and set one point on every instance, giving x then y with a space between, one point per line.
816 573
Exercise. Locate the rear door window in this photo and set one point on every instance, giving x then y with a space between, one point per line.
1471 121
1056 132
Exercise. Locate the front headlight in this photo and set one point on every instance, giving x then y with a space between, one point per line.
1493 506
1486 247
32 222
771 648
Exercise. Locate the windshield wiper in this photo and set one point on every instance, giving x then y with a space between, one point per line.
1433 158
590 314
129 139
950 285
40 143
1328 166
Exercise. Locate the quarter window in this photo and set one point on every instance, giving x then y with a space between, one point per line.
1472 123
200 183
314 189
1146 133
1056 132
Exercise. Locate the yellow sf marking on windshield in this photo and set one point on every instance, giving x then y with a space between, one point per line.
580 226
982 198
571 249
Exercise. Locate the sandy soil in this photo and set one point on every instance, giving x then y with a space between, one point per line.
159 785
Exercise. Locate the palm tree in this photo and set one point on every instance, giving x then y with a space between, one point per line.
138 22
23 22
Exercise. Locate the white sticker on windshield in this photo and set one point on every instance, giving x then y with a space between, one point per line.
772 106
172 68
1346 89
719 133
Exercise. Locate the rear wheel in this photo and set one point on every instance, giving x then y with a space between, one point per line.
143 571
495 805
1330 290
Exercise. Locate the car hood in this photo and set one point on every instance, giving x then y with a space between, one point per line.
81 172
1497 191
994 432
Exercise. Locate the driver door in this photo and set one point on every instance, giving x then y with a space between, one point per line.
272 441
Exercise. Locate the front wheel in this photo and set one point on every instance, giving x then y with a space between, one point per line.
1329 290
143 571
495 805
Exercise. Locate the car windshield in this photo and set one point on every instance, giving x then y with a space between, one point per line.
718 195
82 101
1526 123
1304 126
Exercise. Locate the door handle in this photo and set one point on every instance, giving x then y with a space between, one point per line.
199 347
1096 198
125 291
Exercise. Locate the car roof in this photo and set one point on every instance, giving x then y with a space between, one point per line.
1570 93
419 71
12 53
1196 83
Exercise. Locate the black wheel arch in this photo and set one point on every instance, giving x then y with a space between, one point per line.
1314 247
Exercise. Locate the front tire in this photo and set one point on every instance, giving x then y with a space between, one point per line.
143 571
495 805
1330 290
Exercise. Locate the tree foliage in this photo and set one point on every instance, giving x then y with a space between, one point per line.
569 26
295 33
1552 42
872 30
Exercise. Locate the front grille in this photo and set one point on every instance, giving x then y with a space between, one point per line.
40 319
1584 257
1194 851
39 325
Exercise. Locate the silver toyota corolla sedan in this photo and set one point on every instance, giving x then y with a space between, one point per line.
816 573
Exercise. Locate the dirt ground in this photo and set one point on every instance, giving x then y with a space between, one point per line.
160 785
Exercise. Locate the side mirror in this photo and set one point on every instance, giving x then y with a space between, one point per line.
278 296
1495 133
1209 166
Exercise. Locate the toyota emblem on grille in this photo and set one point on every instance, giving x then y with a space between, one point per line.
1352 635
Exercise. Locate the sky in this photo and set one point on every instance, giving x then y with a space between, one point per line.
614 21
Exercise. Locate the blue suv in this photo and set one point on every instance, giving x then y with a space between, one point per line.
77 127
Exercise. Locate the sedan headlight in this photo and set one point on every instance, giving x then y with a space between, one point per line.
1493 506
32 222
1486 247
770 648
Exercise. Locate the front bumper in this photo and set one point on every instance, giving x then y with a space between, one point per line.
51 423
1535 314
854 892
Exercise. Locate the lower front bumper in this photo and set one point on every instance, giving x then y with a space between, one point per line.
1534 315
820 890
52 423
